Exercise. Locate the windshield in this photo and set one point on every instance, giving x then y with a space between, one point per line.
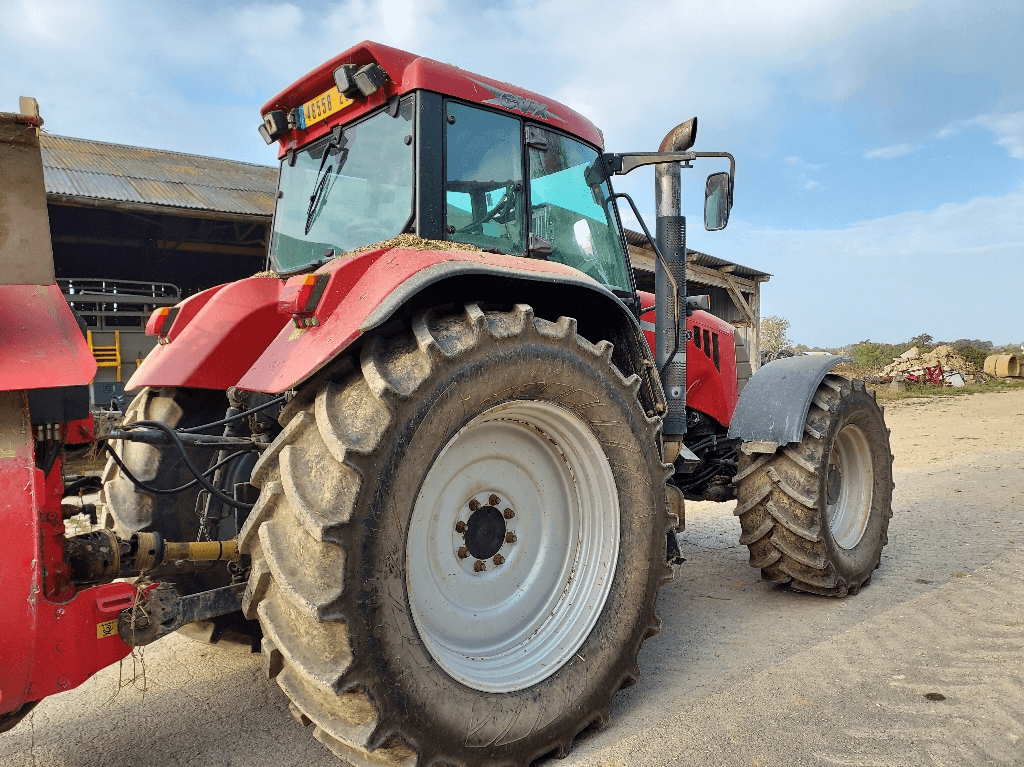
583 233
345 191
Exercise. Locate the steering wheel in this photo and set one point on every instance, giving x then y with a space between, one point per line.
506 202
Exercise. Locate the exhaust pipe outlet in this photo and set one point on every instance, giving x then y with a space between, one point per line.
671 236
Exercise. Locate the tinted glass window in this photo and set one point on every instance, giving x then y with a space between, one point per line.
484 178
347 194
583 233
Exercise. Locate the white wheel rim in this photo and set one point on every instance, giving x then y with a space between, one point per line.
849 483
518 622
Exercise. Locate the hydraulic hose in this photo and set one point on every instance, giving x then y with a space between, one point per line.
210 487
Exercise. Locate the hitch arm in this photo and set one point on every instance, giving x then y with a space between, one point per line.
164 611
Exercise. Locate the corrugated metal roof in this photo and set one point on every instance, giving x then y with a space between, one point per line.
639 240
94 169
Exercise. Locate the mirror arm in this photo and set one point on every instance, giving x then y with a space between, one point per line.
621 164
732 168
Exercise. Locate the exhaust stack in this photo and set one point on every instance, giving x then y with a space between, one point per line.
670 326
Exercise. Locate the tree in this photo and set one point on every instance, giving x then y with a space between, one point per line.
774 334
922 340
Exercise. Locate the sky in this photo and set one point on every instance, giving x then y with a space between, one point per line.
879 144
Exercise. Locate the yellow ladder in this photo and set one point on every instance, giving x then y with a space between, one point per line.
107 356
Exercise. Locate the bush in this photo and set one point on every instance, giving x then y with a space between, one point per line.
868 354
975 355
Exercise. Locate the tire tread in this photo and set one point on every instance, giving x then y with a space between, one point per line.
779 502
299 530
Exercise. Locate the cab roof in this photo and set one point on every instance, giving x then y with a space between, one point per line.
407 72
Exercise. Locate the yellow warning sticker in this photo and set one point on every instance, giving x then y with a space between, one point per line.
106 629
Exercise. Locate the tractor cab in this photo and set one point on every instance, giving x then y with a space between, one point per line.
437 152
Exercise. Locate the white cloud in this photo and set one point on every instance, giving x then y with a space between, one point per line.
890 152
1009 128
50 24
811 184
264 30
108 58
792 161
889 277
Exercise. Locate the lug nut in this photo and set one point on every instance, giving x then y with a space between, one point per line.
463 552
510 537
509 513
498 559
460 527
474 505
494 500
479 566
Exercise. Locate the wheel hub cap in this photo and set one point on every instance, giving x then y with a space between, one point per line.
512 546
485 532
849 486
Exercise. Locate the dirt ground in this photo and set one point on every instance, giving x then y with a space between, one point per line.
742 674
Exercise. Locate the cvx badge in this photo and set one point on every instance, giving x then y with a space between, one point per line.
519 103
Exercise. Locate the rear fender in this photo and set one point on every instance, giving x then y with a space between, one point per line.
773 405
244 335
367 290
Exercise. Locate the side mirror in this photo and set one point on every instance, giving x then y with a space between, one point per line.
717 201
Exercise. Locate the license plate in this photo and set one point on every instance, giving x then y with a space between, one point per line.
323 106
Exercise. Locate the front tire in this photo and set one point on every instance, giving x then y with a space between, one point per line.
815 514
128 509
381 625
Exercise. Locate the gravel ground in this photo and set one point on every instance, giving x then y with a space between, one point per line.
742 673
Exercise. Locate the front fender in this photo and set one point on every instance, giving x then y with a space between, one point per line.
773 405
215 336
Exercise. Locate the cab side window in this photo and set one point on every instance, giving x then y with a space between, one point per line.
565 211
484 178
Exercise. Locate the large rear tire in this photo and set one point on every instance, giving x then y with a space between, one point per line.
459 543
815 514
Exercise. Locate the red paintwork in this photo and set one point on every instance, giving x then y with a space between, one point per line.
217 336
708 390
49 641
348 300
186 310
157 321
80 432
41 345
408 72
241 338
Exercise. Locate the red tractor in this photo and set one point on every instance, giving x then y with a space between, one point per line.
443 463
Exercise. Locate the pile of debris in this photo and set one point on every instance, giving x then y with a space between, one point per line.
943 365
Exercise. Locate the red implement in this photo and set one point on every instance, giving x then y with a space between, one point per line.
54 637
